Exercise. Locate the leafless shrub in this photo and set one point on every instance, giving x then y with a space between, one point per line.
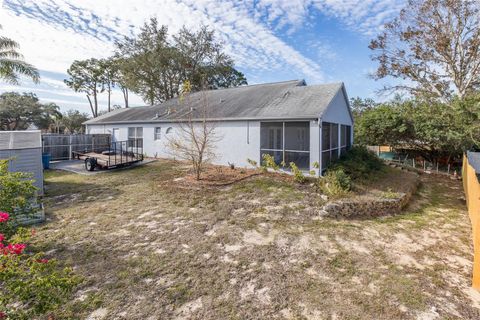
195 138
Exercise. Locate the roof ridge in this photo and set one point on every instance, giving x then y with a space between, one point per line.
232 88
268 83
254 85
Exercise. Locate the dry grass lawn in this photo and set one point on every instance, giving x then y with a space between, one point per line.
253 250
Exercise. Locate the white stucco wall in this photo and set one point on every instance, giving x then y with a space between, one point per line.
337 111
238 140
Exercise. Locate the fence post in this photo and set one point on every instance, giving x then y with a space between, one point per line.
70 147
413 162
437 166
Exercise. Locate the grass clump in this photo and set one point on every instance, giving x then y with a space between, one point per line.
390 194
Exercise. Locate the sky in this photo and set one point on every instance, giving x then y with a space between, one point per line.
320 41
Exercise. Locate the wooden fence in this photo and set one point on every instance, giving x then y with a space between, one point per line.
471 186
61 146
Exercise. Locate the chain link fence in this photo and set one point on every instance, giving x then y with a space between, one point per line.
416 162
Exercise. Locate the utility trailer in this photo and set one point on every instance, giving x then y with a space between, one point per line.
119 154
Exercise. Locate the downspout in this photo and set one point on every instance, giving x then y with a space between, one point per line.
320 167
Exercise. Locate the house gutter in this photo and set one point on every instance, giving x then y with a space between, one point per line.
303 118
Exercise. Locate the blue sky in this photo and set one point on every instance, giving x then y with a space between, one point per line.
270 40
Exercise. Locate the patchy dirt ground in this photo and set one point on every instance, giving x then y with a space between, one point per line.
253 250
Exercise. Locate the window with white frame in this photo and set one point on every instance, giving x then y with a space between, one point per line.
157 133
135 137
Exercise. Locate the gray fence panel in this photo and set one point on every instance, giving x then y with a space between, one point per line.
61 146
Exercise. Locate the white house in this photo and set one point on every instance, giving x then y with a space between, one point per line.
289 120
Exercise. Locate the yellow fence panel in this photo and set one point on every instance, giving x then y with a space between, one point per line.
471 186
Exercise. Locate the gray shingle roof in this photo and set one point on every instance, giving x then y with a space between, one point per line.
281 100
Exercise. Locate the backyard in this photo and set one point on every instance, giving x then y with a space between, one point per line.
149 248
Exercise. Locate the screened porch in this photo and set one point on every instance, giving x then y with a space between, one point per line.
286 142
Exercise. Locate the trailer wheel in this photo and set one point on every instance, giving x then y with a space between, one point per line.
90 164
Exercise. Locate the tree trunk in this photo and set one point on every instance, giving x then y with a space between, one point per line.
125 96
95 102
91 106
197 171
109 95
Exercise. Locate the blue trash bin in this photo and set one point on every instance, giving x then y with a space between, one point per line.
46 160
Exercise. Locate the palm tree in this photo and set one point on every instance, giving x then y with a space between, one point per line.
12 64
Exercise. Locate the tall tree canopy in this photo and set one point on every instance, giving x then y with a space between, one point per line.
73 120
87 76
117 77
110 74
12 64
19 111
434 46
431 129
359 106
155 67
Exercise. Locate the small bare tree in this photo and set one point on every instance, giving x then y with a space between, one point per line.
194 138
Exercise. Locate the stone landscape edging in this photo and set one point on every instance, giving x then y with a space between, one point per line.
369 208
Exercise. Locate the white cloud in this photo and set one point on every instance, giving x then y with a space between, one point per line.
364 16
53 33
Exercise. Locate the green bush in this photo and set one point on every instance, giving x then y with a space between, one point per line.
358 163
33 285
335 183
30 284
16 191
